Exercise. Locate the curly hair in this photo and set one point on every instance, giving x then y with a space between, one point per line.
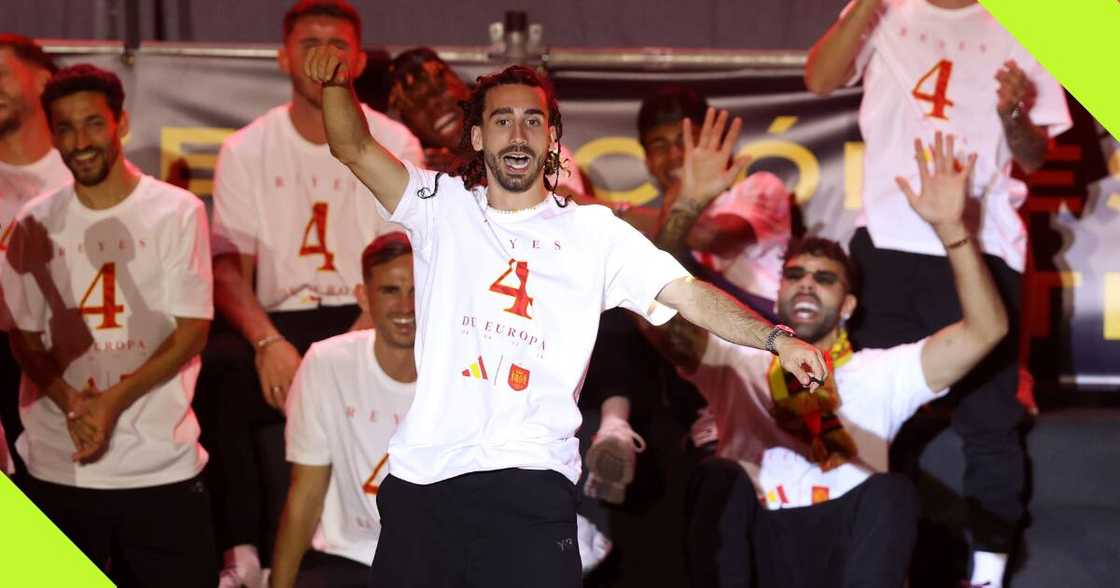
84 77
473 170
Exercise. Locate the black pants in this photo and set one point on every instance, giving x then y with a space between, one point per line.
906 297
324 570
9 403
508 527
154 536
861 539
248 474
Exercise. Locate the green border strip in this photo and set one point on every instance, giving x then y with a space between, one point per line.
33 552
1076 41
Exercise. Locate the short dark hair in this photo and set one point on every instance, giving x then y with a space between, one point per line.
28 51
84 78
669 104
828 249
340 9
473 171
384 249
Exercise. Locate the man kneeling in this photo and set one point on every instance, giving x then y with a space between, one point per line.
821 510
347 398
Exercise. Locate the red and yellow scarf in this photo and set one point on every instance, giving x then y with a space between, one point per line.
812 417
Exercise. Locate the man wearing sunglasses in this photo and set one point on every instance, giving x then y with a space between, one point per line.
816 506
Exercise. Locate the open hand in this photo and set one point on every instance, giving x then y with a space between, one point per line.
327 65
944 190
708 168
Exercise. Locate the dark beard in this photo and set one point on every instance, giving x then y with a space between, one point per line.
809 332
10 125
511 184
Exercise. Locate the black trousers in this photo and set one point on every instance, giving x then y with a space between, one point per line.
153 536
494 529
9 403
324 570
861 539
906 297
248 474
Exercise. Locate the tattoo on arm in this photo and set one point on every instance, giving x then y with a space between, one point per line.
1028 142
671 236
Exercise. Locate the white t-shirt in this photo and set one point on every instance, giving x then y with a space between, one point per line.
928 69
763 201
303 215
123 274
507 310
342 410
18 185
879 390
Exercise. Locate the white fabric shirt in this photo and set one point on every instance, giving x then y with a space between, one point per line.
915 49
879 390
303 215
763 201
507 310
18 185
123 274
342 410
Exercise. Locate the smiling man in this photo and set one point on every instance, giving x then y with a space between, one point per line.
109 283
290 222
511 281
349 394
829 513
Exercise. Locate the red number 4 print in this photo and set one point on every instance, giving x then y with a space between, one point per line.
943 70
521 298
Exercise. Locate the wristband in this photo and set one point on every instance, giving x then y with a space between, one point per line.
266 341
777 331
956 244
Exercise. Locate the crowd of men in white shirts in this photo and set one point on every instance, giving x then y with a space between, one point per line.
387 393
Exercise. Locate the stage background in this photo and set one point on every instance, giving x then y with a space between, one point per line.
186 98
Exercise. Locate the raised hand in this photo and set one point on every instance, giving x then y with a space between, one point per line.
1016 90
327 65
944 191
708 168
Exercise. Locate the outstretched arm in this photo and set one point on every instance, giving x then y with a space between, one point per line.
953 351
831 60
705 306
347 132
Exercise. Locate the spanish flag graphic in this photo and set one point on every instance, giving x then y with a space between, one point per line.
477 370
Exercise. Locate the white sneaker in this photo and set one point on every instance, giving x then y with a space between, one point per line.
610 460
593 544
242 568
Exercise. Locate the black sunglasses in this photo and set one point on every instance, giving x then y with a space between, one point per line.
794 273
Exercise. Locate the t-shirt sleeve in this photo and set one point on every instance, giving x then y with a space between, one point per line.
763 201
305 432
236 229
28 251
417 209
1050 109
635 270
898 373
190 281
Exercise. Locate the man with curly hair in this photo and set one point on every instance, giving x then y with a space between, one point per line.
511 280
